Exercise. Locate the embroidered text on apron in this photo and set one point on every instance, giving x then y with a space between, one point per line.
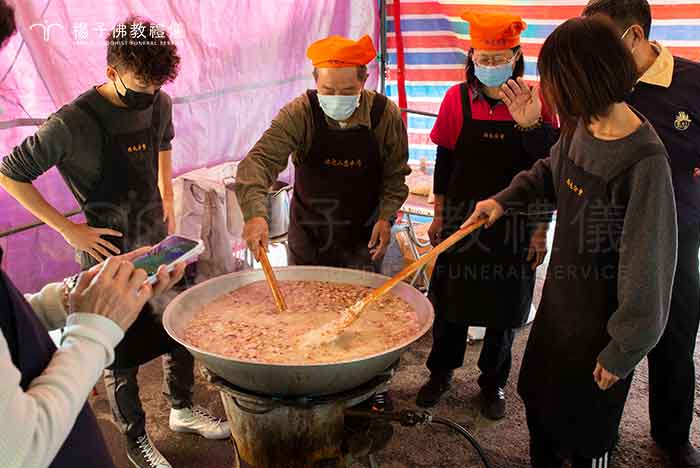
484 280
336 191
128 200
580 294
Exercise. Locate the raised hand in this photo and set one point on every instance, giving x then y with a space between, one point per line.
523 102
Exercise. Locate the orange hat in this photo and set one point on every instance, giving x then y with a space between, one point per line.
339 52
494 31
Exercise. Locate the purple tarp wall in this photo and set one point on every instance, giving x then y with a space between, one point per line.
241 61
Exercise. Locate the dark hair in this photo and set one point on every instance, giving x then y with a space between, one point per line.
518 71
152 59
584 69
362 73
7 22
624 13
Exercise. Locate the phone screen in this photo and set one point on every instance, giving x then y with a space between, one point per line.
164 253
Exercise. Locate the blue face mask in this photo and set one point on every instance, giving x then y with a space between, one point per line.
493 77
338 107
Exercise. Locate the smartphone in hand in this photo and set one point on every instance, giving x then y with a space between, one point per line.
169 252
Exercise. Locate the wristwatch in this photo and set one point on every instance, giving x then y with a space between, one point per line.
69 285
534 126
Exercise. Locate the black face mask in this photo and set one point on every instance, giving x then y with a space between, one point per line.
135 100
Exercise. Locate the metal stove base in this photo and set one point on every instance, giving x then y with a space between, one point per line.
308 432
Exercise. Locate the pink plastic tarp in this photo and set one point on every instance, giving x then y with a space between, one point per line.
241 61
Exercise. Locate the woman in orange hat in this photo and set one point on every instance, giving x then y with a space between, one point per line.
487 280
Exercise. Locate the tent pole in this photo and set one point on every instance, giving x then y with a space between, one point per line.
27 227
382 56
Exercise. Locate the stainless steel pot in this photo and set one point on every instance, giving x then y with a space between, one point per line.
279 205
292 380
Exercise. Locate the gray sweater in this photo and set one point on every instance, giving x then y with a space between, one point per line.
72 141
648 246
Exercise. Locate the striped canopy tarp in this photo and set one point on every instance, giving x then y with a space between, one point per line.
434 41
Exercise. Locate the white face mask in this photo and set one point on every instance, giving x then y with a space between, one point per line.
339 108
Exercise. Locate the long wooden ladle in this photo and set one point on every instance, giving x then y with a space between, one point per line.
332 330
271 280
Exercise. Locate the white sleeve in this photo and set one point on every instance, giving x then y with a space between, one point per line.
37 421
48 305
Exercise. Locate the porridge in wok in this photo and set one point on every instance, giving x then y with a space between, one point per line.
246 325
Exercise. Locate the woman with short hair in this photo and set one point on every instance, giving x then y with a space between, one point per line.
608 288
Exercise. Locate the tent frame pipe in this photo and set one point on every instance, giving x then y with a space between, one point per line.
28 227
382 56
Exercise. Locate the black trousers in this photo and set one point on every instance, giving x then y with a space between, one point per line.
122 389
545 453
671 364
450 344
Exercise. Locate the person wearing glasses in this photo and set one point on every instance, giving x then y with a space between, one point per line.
487 279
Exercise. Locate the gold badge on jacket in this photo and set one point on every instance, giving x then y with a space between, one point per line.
683 121
574 188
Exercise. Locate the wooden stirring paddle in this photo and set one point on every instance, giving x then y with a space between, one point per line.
271 280
332 330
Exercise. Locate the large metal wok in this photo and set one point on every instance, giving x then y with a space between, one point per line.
292 380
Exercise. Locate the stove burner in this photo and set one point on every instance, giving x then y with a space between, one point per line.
303 432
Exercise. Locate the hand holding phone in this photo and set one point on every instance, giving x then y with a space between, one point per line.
171 251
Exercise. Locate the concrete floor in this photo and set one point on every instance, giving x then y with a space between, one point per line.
505 442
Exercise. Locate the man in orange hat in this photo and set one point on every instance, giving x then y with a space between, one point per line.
350 149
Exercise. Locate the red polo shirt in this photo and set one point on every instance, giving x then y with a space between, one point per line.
450 119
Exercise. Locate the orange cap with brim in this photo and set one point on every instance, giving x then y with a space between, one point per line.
340 52
494 31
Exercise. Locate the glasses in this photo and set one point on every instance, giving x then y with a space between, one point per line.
625 33
492 60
